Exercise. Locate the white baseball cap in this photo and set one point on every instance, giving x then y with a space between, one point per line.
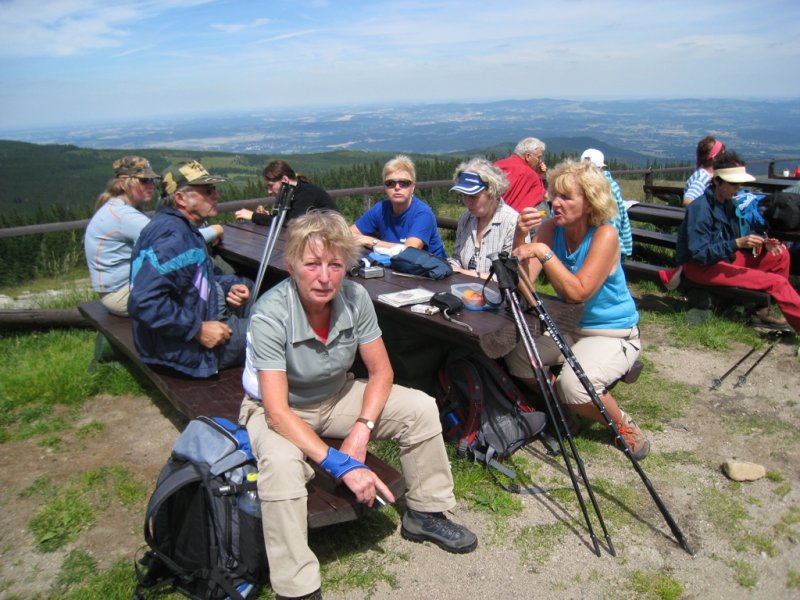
594 156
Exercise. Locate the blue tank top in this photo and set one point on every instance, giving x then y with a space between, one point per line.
612 306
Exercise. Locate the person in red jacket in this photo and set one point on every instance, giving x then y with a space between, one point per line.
524 170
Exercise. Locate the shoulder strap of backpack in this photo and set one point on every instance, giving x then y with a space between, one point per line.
509 395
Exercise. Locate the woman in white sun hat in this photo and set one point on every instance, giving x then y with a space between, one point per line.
713 251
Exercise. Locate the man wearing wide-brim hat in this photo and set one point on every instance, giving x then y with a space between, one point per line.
187 315
714 250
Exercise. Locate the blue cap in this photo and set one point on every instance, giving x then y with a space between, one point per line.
469 183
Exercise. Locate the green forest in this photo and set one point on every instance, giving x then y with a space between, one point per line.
56 182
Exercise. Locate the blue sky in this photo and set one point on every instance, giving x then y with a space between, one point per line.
75 61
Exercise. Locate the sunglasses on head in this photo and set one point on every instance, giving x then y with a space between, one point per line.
403 183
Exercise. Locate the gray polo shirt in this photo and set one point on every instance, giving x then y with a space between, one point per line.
281 339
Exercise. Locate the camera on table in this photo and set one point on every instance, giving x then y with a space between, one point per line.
367 270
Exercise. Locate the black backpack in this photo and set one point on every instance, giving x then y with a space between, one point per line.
483 411
200 543
782 211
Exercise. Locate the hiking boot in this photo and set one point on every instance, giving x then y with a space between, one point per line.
631 433
671 278
436 528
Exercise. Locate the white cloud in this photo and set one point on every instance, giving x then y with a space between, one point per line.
237 27
72 27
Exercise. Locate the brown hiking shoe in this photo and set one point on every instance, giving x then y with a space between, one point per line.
631 433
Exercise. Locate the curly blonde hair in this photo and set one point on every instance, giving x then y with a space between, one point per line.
571 175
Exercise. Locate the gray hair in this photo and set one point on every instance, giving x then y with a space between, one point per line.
529 145
494 178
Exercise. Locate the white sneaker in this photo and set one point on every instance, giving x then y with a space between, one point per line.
671 278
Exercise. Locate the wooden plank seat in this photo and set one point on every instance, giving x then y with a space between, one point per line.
698 296
657 238
672 193
328 502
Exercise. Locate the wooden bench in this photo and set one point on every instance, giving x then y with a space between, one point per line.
669 217
657 238
328 502
672 193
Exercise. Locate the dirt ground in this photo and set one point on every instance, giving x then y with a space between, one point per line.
757 422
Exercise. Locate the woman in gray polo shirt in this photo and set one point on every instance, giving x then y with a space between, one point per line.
303 338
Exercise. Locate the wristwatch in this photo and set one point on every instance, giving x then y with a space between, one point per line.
546 257
374 243
370 424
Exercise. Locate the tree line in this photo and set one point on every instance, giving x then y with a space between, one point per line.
65 173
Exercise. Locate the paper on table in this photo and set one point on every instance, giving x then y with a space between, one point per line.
406 297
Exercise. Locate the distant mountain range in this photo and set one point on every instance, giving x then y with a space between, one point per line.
634 132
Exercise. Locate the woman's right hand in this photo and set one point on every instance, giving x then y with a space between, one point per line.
366 485
244 215
530 218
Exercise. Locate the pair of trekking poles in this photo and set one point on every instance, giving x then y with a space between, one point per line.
773 337
513 280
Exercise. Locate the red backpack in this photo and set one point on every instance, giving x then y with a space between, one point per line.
483 411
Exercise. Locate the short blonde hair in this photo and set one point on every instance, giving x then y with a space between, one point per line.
401 162
325 227
566 176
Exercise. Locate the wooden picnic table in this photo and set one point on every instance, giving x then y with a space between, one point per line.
492 331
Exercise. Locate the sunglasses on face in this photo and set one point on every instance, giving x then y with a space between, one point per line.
403 183
147 181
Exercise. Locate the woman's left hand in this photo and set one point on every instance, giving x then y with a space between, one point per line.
532 250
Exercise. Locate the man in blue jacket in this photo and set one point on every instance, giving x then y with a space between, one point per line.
186 315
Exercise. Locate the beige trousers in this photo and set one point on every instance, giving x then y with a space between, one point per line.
410 417
604 354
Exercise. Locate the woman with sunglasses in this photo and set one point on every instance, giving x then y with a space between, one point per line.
306 195
402 218
489 224
117 222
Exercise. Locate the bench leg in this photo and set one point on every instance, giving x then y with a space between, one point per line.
103 352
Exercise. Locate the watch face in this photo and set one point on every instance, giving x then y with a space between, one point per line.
370 424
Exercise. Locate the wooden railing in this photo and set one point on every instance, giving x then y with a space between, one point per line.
648 176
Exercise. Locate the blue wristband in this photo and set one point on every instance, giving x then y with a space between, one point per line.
337 464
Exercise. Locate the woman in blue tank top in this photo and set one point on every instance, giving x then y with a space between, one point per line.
578 251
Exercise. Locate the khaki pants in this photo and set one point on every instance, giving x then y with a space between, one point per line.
410 417
117 302
604 354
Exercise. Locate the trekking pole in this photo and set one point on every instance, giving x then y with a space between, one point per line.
530 294
283 204
742 379
718 381
507 283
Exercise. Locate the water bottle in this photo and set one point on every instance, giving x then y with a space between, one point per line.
248 500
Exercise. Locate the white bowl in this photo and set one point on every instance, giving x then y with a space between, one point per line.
458 289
